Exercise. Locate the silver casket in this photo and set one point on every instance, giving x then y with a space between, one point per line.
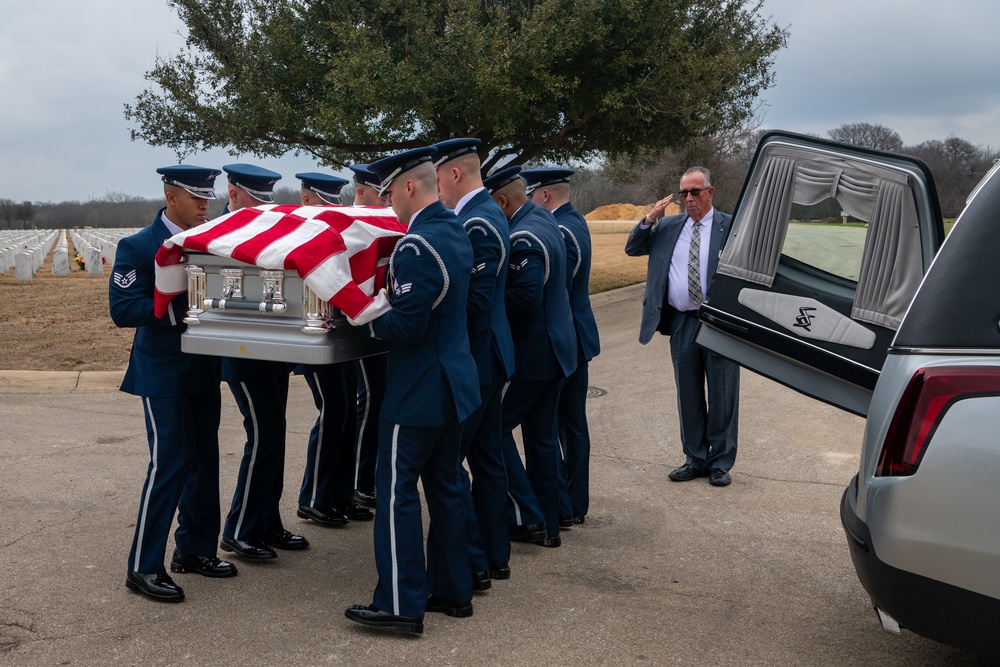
239 310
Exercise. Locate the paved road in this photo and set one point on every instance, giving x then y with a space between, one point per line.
661 574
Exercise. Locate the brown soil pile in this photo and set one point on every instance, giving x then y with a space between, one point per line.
627 211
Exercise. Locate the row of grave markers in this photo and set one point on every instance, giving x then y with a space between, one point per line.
25 251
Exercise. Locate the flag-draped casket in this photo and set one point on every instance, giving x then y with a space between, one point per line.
279 282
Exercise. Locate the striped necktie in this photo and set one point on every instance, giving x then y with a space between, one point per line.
694 266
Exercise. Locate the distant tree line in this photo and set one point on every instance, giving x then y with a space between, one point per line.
956 164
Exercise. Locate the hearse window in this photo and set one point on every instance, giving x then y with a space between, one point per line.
818 235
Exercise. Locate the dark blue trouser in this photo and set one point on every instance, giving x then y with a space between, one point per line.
373 374
486 498
574 438
533 487
708 432
254 511
405 454
183 476
329 475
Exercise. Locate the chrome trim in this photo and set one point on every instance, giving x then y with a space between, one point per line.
962 351
316 313
273 285
197 288
232 283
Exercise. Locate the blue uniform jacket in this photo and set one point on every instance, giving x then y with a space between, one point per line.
658 242
537 299
156 368
576 233
432 375
489 331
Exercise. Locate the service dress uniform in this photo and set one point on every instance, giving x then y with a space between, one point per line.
574 433
545 353
181 403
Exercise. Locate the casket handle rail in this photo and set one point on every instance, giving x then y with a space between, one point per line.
316 313
233 298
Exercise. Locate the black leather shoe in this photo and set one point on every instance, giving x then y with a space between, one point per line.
481 581
534 533
159 587
501 571
354 512
365 498
247 549
439 605
719 478
553 542
579 519
566 521
286 540
206 566
321 517
685 473
377 618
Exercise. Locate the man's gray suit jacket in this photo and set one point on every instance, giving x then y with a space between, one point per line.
658 242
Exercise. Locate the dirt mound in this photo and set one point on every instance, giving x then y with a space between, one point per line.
627 211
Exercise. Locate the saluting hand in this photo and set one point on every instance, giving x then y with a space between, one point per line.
656 212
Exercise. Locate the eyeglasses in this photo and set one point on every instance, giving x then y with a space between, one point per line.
694 192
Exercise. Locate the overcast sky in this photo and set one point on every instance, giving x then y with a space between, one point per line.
928 70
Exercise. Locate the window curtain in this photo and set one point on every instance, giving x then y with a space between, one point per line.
891 267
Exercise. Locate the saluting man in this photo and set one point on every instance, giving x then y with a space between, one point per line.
327 493
549 188
460 186
432 390
180 399
372 371
253 528
545 354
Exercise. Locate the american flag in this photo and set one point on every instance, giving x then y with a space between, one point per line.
340 252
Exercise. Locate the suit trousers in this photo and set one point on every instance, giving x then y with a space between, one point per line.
486 497
373 375
328 480
183 474
708 431
574 439
533 487
405 454
254 511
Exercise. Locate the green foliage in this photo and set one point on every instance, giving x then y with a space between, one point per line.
351 80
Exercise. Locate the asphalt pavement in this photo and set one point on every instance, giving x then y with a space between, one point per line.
662 573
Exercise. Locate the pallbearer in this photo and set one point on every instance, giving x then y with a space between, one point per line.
433 388
180 399
460 186
549 188
327 493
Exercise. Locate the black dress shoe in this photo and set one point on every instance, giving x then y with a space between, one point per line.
365 498
440 605
286 540
354 512
375 617
481 581
579 519
566 521
685 473
501 571
321 517
206 566
534 533
719 478
248 549
159 587
553 542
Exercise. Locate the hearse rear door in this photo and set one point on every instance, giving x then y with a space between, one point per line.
816 306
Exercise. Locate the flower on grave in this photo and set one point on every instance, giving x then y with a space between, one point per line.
81 263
